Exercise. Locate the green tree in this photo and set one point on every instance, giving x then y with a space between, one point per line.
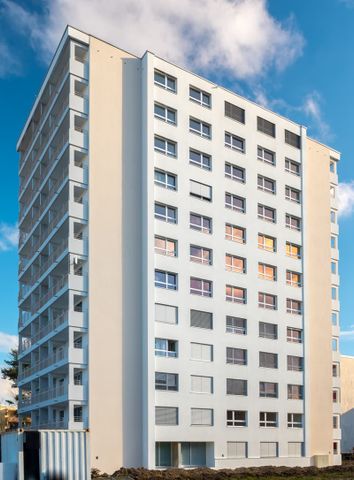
10 372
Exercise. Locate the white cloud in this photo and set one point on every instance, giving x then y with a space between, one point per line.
8 236
312 108
9 64
7 393
238 38
346 199
347 3
7 342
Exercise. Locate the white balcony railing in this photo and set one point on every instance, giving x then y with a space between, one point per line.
43 396
57 322
60 355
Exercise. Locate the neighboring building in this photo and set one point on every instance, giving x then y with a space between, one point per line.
8 418
347 403
178 265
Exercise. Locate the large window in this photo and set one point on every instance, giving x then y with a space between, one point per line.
267 272
201 128
268 330
163 454
236 418
292 139
295 392
202 351
295 449
164 113
200 190
200 159
268 360
200 222
294 335
201 384
235 386
236 325
265 242
235 233
292 167
198 286
268 389
166 81
235 173
193 454
165 279
236 449
265 155
234 112
265 126
165 213
165 179
166 416
166 313
202 416
165 246
266 213
266 184
234 142
166 348
295 420
166 146
235 264
200 254
293 250
268 419
295 363
292 194
236 294
201 319
166 381
268 449
266 300
236 356
293 306
235 202
200 96
292 222
293 278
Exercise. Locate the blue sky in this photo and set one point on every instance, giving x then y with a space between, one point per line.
284 54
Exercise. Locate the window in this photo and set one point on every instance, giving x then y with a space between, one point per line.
236 325
165 279
266 213
268 389
201 319
200 222
292 139
265 242
200 159
200 255
165 213
202 416
236 294
236 449
334 268
292 222
335 395
334 344
266 300
292 194
295 449
235 386
235 233
268 419
333 216
332 166
234 112
201 128
198 286
268 449
294 335
334 293
268 330
266 184
235 264
265 126
332 191
165 246
77 377
163 454
334 318
166 381
78 413
295 392
235 173
335 369
77 340
201 351
166 314
166 416
235 202
200 190
193 454
165 179
293 306
163 145
236 418
268 360
166 81
335 421
293 278
295 420
199 96
267 272
293 250
295 363
335 448
266 156
236 356
333 241
166 348
292 167
234 142
167 114
201 384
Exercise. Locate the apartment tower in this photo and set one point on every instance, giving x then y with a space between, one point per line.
178 269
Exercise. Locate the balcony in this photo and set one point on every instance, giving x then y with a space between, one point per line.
52 326
50 394
51 360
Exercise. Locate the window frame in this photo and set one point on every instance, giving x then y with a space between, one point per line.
201 92
165 84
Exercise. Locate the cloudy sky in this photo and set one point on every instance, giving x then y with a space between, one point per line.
281 53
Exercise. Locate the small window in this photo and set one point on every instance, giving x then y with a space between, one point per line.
235 173
333 241
235 294
78 413
235 264
293 278
292 194
295 449
292 167
236 356
334 344
335 395
268 390
166 416
265 155
334 293
334 317
166 348
336 450
235 386
165 213
268 360
201 128
200 255
202 416
236 418
268 449
265 242
235 202
201 319
293 250
166 381
199 96
165 246
200 190
268 419
234 142
166 81
166 314
335 421
335 370
295 392
265 126
201 384
165 279
333 216
167 114
266 184
292 222
163 145
295 363
267 272
332 166
202 351
165 179
295 420
200 223
268 330
236 449
236 325
293 306
234 112
268 301
200 159
235 233
266 213
292 139
201 287
294 335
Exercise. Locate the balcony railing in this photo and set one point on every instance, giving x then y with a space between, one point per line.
57 322
43 396
48 426
42 364
58 285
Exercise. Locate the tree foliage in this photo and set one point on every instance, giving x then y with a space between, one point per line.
10 371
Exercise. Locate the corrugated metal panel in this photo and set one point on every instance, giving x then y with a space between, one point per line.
65 454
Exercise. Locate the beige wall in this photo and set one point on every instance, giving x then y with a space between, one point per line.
347 403
317 301
114 315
